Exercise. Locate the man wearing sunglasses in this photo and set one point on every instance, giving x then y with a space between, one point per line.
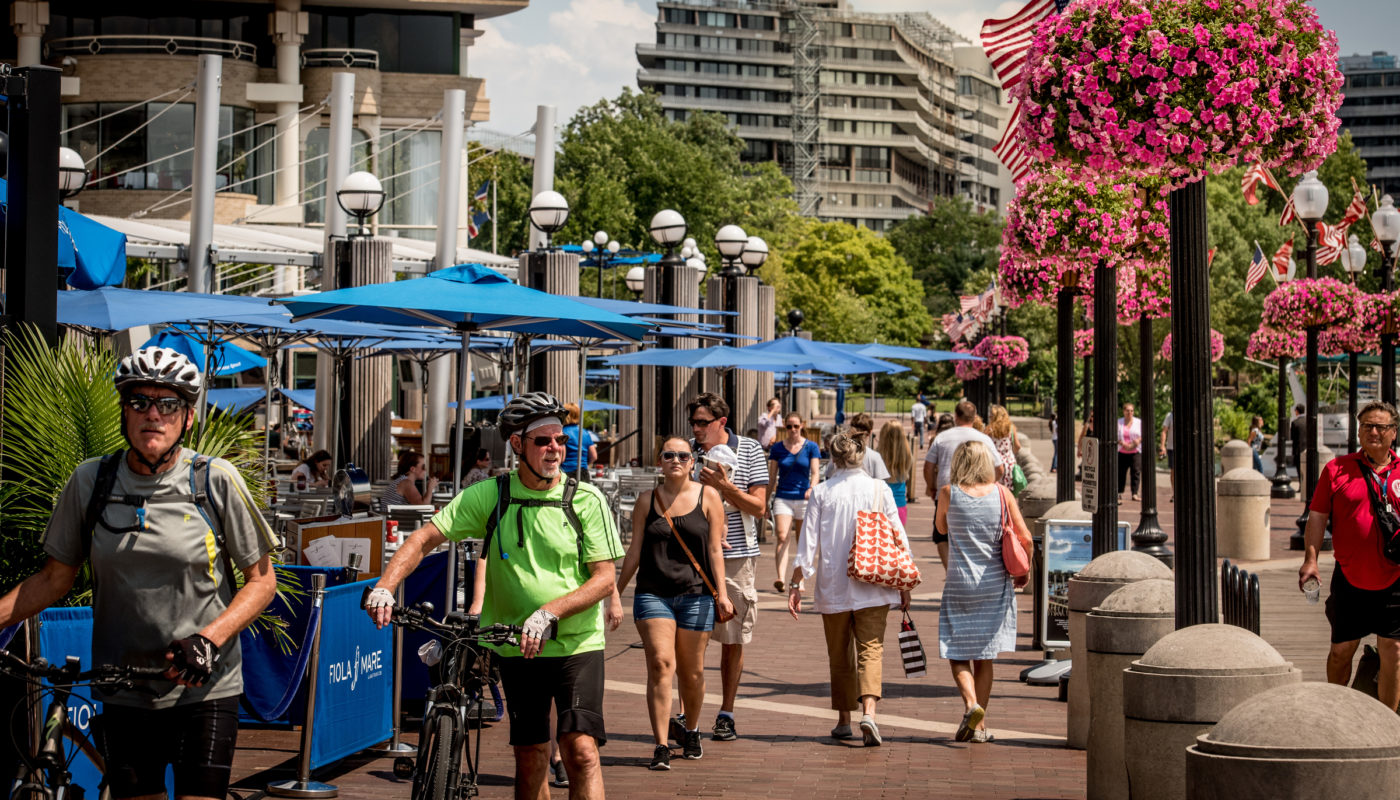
550 543
178 523
1364 596
745 493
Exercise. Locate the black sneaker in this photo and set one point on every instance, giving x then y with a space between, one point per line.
678 729
661 758
560 779
724 729
692 750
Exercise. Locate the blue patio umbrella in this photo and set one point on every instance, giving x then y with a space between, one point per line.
306 398
888 351
718 357
227 358
234 401
825 356
108 308
496 402
630 308
90 254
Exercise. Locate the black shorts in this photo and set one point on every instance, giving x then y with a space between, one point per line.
938 538
573 683
1171 459
198 739
1356 613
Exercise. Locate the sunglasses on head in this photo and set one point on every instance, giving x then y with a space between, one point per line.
167 406
545 441
676 455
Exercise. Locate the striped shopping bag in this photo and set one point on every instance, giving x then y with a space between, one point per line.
911 650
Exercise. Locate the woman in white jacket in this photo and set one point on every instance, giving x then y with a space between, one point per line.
853 613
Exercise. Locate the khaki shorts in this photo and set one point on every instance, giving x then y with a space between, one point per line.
738 583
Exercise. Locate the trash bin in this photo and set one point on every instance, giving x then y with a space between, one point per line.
1119 630
1088 589
1242 515
1182 685
1305 740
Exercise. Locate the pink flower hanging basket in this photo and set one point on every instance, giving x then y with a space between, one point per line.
1309 303
1083 343
1007 352
1267 344
1217 346
1380 312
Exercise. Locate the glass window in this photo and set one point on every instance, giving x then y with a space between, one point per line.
172 132
175 26
127 154
128 26
433 44
314 168
379 32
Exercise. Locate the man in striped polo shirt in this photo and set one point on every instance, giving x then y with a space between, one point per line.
745 493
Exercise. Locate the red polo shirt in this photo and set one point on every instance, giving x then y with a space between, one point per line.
1356 543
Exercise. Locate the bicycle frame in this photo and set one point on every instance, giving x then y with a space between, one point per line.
465 672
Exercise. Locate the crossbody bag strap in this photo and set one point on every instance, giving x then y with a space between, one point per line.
666 513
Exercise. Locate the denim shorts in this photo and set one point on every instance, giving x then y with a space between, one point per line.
691 612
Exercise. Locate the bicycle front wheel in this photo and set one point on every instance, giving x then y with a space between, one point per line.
438 767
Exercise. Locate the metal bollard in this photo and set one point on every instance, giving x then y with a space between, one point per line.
304 786
396 747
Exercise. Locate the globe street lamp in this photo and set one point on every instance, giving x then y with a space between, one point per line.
1310 202
636 279
1386 222
795 318
605 247
548 213
754 254
1354 260
667 229
72 173
360 196
730 241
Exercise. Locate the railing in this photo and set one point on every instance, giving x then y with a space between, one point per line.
1239 597
170 45
347 57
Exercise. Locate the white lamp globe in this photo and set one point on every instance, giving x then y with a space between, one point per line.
755 253
72 172
613 247
667 227
730 241
549 211
636 279
361 194
1386 221
1310 197
600 238
587 246
1354 256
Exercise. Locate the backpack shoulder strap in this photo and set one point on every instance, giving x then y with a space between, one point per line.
97 501
567 505
494 520
204 501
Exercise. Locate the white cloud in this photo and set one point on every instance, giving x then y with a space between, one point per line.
567 56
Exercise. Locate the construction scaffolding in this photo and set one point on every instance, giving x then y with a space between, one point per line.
805 38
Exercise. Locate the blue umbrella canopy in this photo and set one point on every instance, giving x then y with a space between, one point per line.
466 297
90 254
824 357
111 309
717 357
632 308
884 351
496 402
228 358
234 401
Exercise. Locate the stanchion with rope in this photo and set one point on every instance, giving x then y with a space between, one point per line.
396 747
303 786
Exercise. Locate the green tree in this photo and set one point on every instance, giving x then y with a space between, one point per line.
946 247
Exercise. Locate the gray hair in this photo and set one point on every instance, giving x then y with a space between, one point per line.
846 450
1378 405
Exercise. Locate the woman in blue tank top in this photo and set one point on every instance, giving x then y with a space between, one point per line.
794 464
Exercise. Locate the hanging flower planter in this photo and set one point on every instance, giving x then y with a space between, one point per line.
969 370
1083 344
1348 337
1217 346
1380 312
1007 352
1267 344
1309 303
1180 88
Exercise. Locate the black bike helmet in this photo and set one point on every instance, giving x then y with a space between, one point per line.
526 408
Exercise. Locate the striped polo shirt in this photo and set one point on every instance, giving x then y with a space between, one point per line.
751 471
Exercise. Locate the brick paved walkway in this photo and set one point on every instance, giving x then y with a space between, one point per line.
784 715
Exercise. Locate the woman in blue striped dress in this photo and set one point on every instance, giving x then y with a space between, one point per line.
977 618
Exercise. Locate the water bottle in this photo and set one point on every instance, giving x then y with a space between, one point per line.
1312 590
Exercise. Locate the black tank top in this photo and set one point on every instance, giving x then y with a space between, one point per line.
664 569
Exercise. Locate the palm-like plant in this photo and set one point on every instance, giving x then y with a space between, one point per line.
60 409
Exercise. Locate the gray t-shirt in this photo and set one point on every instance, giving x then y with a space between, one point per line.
164 583
943 447
874 465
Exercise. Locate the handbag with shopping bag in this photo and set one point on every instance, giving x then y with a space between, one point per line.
1013 552
877 555
911 650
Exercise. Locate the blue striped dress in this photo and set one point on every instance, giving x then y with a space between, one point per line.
977 618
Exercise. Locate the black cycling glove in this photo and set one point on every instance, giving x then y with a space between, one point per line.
195 660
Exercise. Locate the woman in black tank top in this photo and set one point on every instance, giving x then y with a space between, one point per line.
677 594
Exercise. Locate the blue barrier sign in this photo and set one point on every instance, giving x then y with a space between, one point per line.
356 680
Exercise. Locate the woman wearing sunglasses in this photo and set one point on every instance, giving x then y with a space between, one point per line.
794 466
676 555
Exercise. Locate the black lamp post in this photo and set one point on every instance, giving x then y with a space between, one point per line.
1106 407
730 241
668 230
1354 260
1386 222
606 247
1283 487
1310 201
1149 537
795 318
1064 393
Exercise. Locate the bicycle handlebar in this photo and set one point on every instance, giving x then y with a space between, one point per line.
464 627
104 675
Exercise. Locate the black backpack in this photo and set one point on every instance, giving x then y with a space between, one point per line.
102 497
504 500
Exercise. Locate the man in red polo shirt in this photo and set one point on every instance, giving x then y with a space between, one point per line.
1364 597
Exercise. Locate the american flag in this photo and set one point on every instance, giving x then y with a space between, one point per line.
1331 241
1290 214
1356 210
1252 178
1210 257
1258 267
1006 42
1281 259
968 302
986 304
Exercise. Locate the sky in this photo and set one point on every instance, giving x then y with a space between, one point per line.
572 53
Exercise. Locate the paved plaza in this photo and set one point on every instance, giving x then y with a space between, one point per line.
783 713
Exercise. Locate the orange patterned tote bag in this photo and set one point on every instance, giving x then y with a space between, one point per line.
877 555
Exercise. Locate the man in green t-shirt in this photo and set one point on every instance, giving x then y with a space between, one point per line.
540 570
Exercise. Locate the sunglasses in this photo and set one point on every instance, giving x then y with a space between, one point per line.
676 455
696 422
545 441
793 427
1374 426
167 406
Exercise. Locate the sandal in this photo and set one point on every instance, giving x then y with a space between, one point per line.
968 728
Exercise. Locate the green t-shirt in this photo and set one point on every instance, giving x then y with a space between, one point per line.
165 583
527 568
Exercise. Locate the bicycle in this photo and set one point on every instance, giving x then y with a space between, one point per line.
467 671
45 771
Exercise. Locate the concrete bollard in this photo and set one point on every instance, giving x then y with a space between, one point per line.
1242 515
1235 454
1182 685
1304 740
1038 497
1098 580
1119 630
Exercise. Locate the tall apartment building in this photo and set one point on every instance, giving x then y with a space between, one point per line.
128 104
1371 111
873 116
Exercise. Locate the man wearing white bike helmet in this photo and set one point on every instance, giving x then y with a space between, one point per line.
548 551
163 529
